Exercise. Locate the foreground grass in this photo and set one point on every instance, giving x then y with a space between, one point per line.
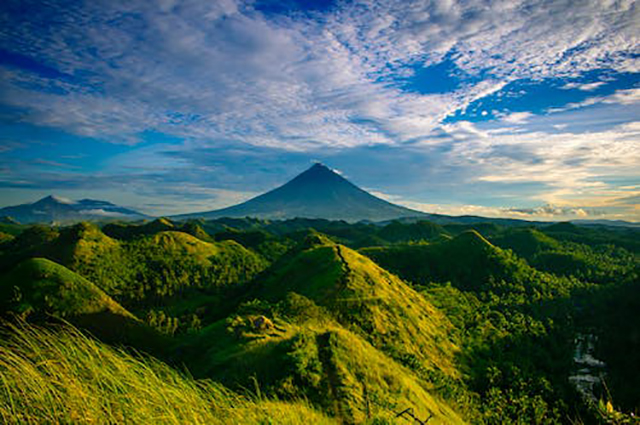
62 376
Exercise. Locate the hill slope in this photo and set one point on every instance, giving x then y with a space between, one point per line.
318 192
40 289
168 273
48 376
469 262
318 360
365 298
40 285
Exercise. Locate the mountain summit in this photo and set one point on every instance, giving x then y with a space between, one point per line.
318 192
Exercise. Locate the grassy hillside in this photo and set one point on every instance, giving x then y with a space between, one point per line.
445 322
526 242
169 275
601 263
470 263
319 360
39 285
366 299
106 385
327 324
41 290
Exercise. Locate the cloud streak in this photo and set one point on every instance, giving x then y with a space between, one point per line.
224 70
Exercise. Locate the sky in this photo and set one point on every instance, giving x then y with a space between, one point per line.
525 109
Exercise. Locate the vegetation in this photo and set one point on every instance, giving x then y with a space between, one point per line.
333 322
62 376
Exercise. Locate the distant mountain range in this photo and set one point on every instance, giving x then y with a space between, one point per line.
319 192
55 209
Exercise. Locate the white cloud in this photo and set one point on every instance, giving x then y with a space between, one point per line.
584 86
103 213
624 97
222 70
619 97
517 117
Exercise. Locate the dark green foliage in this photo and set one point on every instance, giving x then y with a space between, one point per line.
526 242
469 262
5 238
615 320
39 290
11 227
600 263
485 228
624 237
42 286
418 231
127 231
264 243
193 228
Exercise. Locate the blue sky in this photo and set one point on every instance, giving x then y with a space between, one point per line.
498 108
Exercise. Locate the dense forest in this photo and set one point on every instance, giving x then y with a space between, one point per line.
316 321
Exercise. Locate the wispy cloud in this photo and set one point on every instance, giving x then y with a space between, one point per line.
584 86
224 70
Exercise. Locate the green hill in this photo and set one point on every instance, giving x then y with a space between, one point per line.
169 274
327 324
407 232
172 263
526 242
40 290
470 263
468 260
366 299
601 263
320 361
5 238
128 231
40 285
264 243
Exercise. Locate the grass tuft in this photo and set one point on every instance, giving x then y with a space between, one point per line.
59 375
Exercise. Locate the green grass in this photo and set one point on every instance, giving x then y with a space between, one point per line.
41 286
41 291
335 369
61 376
526 242
470 263
366 299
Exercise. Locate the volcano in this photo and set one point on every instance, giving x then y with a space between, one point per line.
318 192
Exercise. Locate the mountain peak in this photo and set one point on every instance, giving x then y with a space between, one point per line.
318 172
319 166
54 199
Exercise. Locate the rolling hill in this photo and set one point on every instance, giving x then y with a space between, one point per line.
39 289
326 323
364 297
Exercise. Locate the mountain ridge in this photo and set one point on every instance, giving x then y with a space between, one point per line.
54 208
